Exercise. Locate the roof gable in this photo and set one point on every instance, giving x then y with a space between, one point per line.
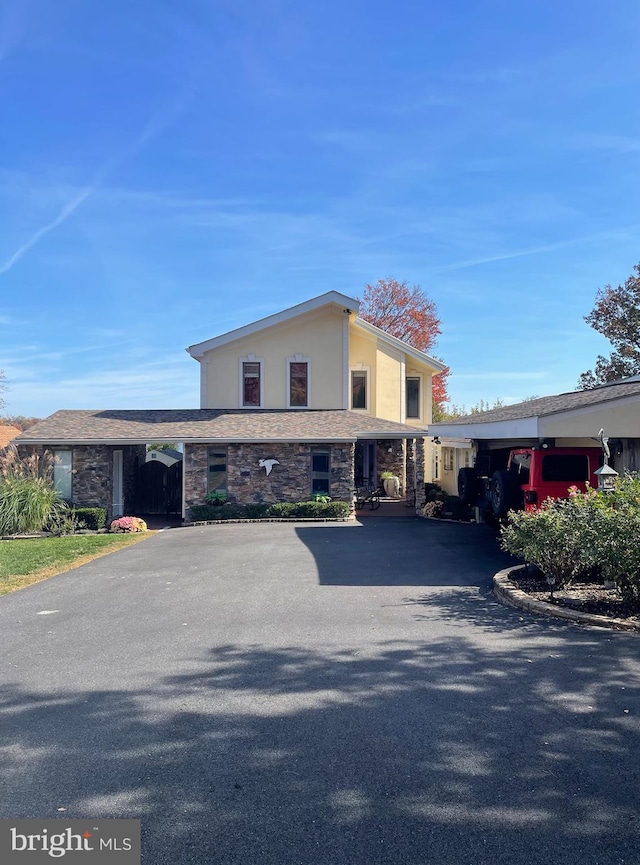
330 298
399 345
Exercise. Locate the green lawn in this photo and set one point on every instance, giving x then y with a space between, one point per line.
23 562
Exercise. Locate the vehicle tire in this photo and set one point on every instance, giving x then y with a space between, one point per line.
467 485
502 493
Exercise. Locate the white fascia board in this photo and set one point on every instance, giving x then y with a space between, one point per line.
330 297
519 428
399 345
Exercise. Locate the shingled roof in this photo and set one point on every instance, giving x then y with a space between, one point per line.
548 405
7 434
110 426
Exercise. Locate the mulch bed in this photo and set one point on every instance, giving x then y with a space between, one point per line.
584 595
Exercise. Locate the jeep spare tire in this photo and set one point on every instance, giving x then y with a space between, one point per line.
502 493
467 485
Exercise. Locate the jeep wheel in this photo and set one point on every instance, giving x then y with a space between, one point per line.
467 485
502 493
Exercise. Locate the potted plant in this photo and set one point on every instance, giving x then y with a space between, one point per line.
391 484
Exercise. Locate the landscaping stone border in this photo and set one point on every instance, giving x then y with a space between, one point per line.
512 596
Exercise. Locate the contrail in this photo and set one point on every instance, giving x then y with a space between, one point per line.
64 214
154 127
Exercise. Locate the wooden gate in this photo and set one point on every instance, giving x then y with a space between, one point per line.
159 488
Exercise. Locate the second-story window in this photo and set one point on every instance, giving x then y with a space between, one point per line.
298 383
358 388
251 383
413 396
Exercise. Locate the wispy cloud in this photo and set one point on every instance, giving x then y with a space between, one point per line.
535 250
158 123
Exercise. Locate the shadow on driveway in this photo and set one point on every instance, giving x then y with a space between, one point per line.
405 552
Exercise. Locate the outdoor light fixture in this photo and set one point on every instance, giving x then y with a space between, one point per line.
436 440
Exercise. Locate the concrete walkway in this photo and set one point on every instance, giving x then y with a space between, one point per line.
319 693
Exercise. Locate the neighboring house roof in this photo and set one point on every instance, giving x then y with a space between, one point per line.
168 456
330 297
7 434
209 425
517 416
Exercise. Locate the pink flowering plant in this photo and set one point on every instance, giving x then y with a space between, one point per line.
128 524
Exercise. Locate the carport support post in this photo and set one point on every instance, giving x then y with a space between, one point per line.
418 469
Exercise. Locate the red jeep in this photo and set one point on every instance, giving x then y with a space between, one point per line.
522 478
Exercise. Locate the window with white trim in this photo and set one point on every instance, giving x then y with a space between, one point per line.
251 381
63 473
447 459
298 375
359 389
412 384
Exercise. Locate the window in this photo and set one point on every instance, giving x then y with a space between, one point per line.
217 474
413 396
251 381
565 467
447 459
62 473
359 389
298 374
320 461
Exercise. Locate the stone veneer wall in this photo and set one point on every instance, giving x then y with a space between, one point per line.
390 457
92 478
419 463
289 480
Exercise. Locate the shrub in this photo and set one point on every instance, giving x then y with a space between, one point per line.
555 537
93 518
256 510
218 512
319 510
29 502
281 509
128 524
613 543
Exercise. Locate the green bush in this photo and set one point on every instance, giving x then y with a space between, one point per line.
281 509
256 510
218 512
93 518
588 533
29 501
318 510
552 537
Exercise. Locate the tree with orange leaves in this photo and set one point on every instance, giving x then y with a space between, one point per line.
408 314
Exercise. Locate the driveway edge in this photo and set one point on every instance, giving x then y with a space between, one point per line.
509 594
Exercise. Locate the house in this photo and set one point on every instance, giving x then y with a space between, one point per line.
571 419
7 434
310 400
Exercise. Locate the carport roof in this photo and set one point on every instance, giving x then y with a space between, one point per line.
546 405
113 426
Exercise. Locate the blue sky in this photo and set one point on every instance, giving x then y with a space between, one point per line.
170 171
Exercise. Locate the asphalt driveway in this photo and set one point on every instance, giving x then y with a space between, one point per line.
319 693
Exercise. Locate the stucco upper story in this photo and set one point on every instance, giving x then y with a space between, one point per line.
317 355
